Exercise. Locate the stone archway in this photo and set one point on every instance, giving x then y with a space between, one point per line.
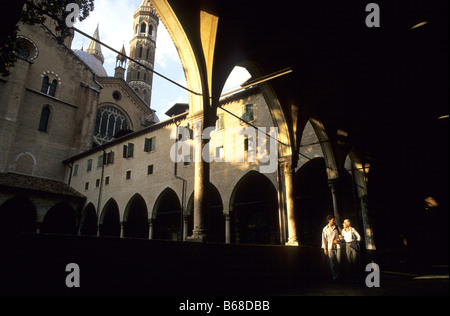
216 216
88 224
136 218
254 211
166 217
17 215
61 220
313 201
110 220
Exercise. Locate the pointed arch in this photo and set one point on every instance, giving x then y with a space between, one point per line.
313 201
88 222
254 211
110 220
60 219
216 219
143 28
136 218
17 215
166 216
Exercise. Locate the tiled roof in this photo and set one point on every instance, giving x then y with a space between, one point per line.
37 184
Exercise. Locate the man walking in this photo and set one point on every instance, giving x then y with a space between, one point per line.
331 246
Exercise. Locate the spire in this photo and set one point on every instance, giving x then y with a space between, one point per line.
121 60
95 49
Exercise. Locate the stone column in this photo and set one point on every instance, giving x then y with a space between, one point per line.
185 227
227 228
201 185
150 230
122 224
368 232
334 187
38 227
290 203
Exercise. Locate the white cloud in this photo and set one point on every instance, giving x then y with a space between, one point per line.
115 20
166 51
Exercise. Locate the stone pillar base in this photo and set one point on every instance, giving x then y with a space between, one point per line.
293 243
199 239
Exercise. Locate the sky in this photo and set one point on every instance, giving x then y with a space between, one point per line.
115 20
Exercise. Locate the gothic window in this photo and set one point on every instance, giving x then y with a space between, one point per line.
141 50
150 30
45 117
143 28
139 75
110 121
145 77
148 53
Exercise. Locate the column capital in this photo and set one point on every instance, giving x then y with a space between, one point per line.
287 166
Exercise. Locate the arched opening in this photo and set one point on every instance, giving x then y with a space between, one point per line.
17 215
45 85
167 217
313 201
136 218
143 28
216 216
150 30
110 220
61 220
25 164
254 215
45 118
88 226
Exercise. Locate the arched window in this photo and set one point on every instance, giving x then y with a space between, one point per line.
139 75
143 28
52 90
48 88
150 30
148 53
45 84
145 76
110 121
141 50
45 117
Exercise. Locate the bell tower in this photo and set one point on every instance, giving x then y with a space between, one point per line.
143 47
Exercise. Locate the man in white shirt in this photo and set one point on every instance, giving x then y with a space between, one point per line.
350 236
331 246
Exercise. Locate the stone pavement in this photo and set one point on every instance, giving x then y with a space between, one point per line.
434 282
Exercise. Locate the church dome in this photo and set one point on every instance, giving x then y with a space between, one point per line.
93 63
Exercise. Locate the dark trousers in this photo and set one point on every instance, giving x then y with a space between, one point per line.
352 259
334 256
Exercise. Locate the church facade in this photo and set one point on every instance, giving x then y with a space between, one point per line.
59 102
